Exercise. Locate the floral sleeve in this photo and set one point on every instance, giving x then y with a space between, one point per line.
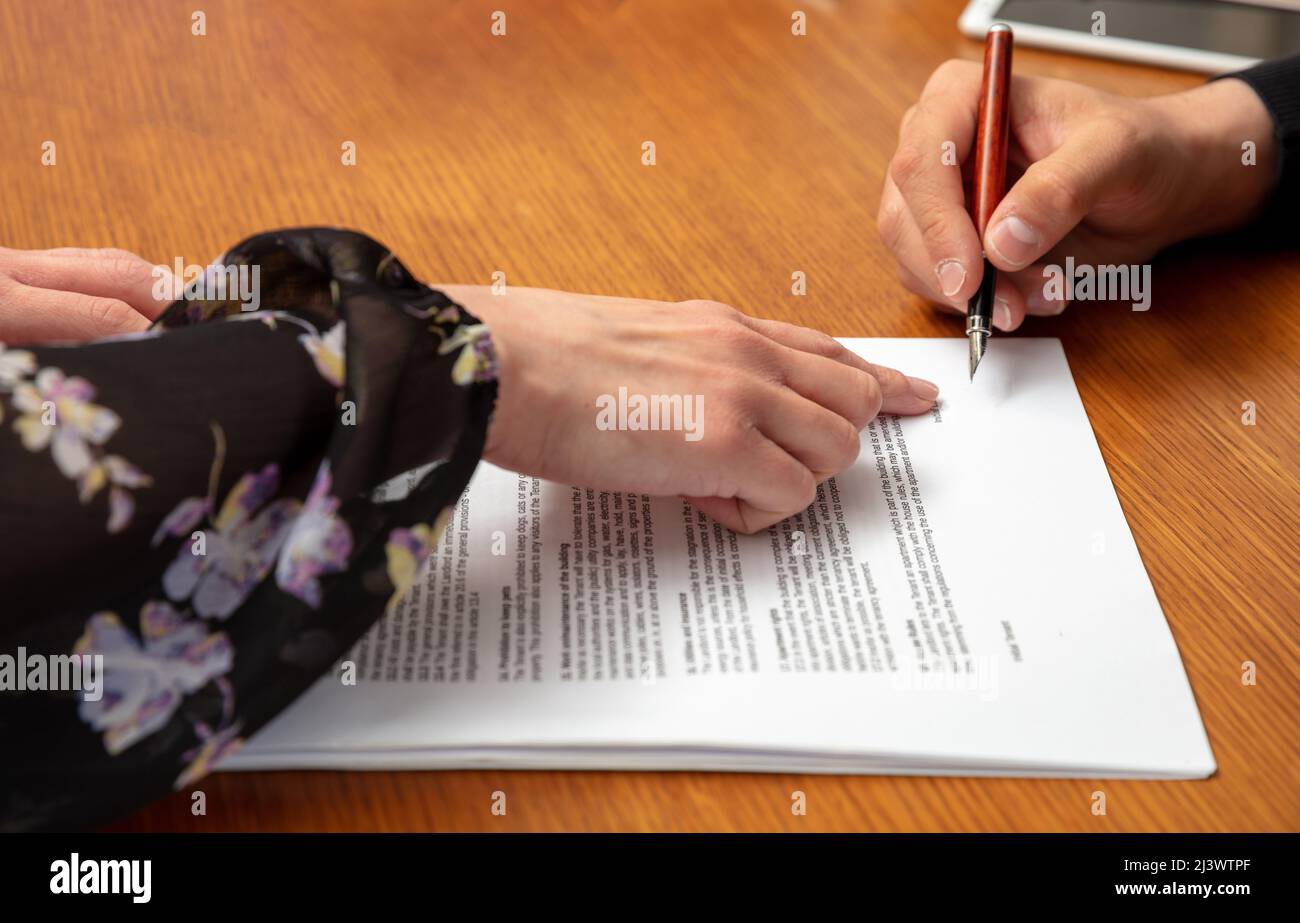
197 505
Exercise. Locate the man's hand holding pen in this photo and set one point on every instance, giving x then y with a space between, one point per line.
1102 178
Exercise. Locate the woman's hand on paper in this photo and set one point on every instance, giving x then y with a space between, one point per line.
73 294
743 417
1101 178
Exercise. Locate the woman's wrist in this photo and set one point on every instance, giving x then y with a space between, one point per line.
526 396
479 301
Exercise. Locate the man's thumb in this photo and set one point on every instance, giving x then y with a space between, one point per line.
1053 196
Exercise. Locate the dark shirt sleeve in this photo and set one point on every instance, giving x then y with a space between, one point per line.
1277 83
192 512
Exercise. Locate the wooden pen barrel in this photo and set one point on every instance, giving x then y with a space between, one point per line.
991 138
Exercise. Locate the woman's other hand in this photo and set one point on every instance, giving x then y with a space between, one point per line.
73 294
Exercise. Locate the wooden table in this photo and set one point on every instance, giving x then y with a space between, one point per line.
522 153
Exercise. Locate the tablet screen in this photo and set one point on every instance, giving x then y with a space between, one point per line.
1249 30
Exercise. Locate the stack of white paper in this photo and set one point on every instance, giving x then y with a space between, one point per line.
966 599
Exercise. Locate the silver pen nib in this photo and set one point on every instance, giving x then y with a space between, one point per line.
978 340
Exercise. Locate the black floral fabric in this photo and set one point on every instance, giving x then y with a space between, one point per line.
197 505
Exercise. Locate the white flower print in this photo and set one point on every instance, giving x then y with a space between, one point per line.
57 412
145 680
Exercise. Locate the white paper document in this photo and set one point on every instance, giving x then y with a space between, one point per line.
966 599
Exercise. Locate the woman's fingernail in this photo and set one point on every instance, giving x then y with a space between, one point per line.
952 275
925 390
1001 314
1014 240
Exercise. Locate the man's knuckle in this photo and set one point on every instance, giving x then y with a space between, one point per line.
1122 128
933 224
908 279
889 224
949 72
1059 189
908 115
908 163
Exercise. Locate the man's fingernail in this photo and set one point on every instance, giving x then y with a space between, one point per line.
925 390
952 275
1001 314
1014 240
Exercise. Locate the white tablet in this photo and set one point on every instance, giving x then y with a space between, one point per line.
1212 36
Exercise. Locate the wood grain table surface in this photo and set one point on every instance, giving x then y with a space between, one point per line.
522 154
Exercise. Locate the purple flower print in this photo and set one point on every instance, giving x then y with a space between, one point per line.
237 552
406 550
319 543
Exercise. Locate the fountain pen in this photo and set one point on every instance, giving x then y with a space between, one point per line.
990 176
